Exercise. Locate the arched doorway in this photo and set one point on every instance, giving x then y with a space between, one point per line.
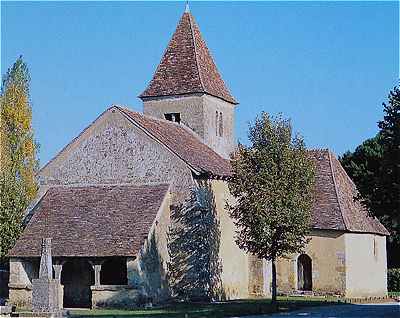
77 276
304 272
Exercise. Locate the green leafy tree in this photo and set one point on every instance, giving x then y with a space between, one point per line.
273 183
194 270
374 166
390 183
18 162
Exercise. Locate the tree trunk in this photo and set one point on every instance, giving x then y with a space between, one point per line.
273 281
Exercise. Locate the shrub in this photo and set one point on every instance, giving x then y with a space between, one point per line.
394 280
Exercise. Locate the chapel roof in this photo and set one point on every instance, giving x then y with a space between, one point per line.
97 221
187 66
183 142
335 206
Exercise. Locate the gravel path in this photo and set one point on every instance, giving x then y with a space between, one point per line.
386 310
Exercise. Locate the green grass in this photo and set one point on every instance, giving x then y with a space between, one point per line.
207 310
394 294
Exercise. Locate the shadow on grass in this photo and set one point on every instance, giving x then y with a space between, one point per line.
207 310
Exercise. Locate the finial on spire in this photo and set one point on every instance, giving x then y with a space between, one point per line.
187 9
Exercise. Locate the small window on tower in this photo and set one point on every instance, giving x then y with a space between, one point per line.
216 123
176 117
221 125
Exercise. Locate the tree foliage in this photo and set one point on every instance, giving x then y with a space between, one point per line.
390 184
375 168
273 183
18 154
194 240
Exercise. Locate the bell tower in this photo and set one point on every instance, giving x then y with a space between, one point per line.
187 88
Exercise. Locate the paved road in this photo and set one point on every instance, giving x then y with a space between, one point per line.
387 310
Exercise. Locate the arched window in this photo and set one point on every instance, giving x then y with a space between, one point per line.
221 125
114 272
216 123
304 272
375 246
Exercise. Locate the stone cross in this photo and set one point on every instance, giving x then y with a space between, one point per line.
46 290
46 266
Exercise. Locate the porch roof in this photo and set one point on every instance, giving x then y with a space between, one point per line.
94 221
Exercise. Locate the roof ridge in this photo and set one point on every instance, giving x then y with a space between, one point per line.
207 160
181 125
336 190
318 149
123 110
195 50
100 185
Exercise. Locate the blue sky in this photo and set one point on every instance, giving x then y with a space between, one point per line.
328 66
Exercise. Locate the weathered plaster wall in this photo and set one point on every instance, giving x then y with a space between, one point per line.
235 266
190 107
365 265
267 277
198 113
224 145
327 251
22 271
256 276
114 296
149 271
113 150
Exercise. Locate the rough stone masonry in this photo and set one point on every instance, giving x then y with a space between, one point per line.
45 289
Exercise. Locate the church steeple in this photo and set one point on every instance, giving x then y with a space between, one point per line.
188 89
187 66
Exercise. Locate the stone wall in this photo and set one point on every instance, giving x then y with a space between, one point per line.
366 271
110 296
22 272
190 107
113 150
327 251
226 144
198 113
256 276
235 264
149 272
349 264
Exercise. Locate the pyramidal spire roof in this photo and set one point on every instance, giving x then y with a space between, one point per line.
187 66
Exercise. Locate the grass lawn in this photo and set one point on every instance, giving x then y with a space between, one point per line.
215 310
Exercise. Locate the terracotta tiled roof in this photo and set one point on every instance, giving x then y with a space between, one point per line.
183 142
187 66
92 220
335 207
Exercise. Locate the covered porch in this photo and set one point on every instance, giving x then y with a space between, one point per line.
101 236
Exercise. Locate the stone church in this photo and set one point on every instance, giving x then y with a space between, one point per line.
106 198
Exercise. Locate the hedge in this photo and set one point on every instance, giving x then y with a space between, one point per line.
394 280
